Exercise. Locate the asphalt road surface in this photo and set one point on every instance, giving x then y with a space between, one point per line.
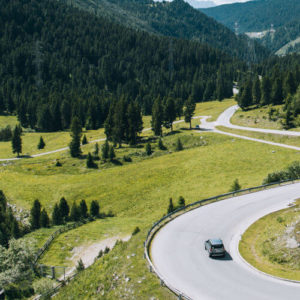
224 120
178 253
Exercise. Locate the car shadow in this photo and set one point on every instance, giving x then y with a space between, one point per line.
227 257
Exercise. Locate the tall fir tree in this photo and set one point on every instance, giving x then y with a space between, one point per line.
16 141
57 218
256 92
265 91
76 131
157 117
189 110
41 144
64 208
44 219
135 122
169 113
35 215
75 213
83 209
105 150
245 99
95 209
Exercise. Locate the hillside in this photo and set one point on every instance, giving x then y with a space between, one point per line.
258 16
58 61
176 19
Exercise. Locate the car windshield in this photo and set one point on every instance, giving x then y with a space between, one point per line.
217 246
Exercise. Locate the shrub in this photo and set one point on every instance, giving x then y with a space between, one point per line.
43 286
80 266
148 149
127 158
90 162
58 163
136 231
84 140
160 145
179 145
106 250
235 186
181 202
171 206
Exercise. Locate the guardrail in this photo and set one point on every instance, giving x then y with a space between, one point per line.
164 220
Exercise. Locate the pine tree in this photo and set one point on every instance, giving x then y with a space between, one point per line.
171 206
220 86
15 229
189 110
41 144
16 141
90 161
148 149
80 266
256 94
75 213
56 216
265 91
135 122
120 124
109 123
235 186
84 140
276 93
288 118
105 150
289 84
96 151
181 202
44 219
160 145
169 113
157 117
76 131
94 209
179 145
83 209
245 99
64 209
112 154
35 215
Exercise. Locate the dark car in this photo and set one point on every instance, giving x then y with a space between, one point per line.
215 247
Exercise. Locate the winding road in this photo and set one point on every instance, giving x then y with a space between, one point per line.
178 254
224 120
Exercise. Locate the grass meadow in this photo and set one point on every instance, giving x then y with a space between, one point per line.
264 244
138 194
276 138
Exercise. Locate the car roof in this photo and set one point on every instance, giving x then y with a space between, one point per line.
216 241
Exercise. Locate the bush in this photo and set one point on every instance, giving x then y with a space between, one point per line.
58 163
80 266
6 134
136 231
160 145
179 145
148 149
106 250
292 172
43 286
90 162
171 206
84 140
181 202
235 186
127 158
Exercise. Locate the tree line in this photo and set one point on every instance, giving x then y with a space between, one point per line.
58 62
278 84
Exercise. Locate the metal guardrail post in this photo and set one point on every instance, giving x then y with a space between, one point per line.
53 272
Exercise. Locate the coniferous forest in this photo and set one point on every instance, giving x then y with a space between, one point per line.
58 62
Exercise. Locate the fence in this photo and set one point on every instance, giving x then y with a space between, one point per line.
54 235
163 221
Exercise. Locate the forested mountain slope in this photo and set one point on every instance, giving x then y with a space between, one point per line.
57 61
176 19
258 16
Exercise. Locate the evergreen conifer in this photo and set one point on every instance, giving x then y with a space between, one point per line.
35 215
41 144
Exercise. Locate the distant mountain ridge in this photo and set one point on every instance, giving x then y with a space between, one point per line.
177 19
256 16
